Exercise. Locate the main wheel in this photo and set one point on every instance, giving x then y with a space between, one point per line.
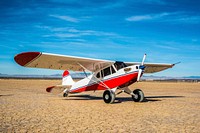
108 96
138 95
65 94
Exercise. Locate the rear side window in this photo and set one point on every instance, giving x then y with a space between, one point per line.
98 75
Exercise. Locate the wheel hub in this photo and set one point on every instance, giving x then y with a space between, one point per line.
106 96
136 96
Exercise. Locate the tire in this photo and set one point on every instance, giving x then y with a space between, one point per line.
108 96
65 94
138 95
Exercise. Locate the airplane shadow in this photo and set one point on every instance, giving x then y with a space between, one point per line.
158 98
6 95
164 96
84 97
121 99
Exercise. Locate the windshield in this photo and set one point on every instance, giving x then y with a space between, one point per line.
118 65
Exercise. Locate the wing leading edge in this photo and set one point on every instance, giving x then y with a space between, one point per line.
63 62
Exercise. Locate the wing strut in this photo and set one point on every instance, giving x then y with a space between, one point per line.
83 69
103 84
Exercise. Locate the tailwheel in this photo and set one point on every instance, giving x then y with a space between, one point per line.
108 96
138 95
65 94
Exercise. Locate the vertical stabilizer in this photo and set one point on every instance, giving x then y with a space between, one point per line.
67 79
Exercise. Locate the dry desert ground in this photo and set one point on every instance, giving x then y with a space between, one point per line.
25 106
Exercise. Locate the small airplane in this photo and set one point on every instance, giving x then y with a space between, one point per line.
109 76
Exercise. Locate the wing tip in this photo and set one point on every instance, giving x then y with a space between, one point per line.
26 57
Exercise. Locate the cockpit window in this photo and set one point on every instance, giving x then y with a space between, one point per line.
113 70
119 65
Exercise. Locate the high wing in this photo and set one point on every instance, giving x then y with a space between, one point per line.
58 62
63 62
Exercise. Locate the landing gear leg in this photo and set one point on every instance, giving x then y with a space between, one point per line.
65 94
108 96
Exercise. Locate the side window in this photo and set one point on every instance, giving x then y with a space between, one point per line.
98 75
106 71
112 69
102 75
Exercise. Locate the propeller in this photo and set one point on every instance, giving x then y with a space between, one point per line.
141 67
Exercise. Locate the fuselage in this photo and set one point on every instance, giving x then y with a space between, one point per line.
119 78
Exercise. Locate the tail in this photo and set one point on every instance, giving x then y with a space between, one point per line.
67 79
67 82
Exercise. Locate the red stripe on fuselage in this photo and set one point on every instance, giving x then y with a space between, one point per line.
111 83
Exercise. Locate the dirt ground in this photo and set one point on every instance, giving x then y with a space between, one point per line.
25 106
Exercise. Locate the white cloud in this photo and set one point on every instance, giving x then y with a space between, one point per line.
5 47
62 35
184 19
66 18
139 18
167 47
147 17
176 46
70 32
80 33
173 17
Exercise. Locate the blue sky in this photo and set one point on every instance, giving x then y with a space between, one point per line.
167 31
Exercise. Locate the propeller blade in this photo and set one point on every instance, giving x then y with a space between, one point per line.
141 68
143 59
139 74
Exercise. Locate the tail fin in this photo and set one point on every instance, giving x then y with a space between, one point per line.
67 79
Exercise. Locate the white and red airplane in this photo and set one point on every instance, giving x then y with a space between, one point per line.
106 75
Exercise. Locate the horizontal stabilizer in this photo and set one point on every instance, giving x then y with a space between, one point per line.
57 88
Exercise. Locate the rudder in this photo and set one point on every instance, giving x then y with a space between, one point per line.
67 79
